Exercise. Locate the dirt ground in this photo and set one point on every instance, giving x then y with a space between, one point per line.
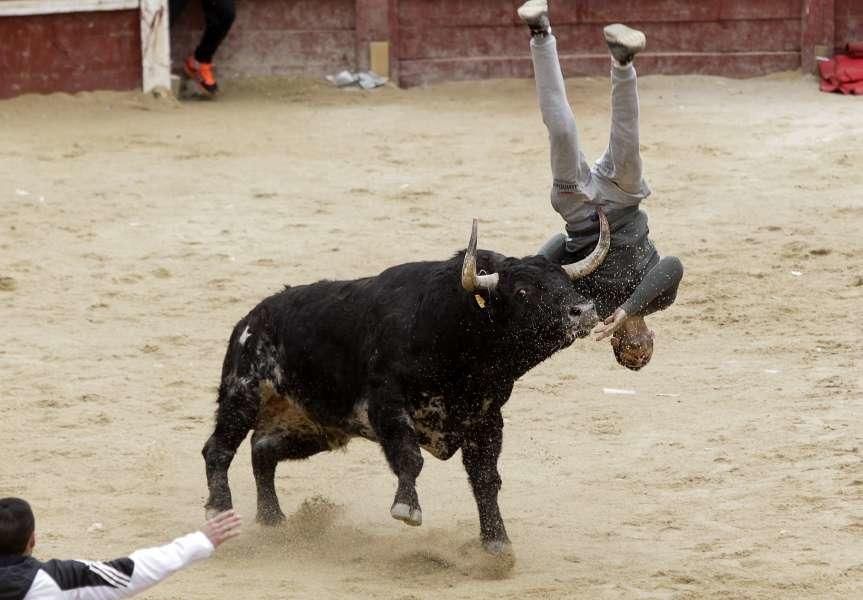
134 233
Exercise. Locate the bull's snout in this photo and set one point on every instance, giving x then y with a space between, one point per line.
583 317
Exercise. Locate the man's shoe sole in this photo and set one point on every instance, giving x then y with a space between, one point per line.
633 40
532 12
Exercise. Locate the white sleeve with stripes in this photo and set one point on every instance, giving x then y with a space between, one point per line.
150 567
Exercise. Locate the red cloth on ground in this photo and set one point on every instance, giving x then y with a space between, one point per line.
844 72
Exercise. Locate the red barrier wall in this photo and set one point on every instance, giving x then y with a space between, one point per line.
276 37
728 37
430 40
849 22
70 52
437 40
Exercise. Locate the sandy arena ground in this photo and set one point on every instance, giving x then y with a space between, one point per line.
135 233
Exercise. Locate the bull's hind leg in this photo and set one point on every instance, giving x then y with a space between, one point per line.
267 450
394 429
238 409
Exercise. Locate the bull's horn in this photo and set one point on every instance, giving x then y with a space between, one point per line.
469 278
589 264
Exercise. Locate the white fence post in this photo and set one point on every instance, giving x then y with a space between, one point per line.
155 45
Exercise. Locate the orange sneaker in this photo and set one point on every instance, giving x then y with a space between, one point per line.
202 73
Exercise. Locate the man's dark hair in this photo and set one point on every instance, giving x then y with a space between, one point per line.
16 525
619 349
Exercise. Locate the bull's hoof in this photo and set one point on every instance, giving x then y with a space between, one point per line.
497 547
403 512
270 518
487 559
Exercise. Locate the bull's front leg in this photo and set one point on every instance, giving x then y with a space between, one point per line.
395 431
480 451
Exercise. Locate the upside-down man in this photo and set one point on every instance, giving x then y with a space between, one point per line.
633 281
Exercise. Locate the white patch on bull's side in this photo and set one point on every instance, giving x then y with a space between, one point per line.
277 373
245 335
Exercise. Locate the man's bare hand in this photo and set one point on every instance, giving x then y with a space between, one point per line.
222 527
610 325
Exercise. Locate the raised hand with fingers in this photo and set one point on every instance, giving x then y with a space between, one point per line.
611 324
222 527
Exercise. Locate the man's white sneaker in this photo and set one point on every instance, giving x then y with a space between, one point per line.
624 42
535 15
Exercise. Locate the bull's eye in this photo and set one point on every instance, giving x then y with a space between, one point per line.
522 294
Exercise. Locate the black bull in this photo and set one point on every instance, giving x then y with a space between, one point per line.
422 356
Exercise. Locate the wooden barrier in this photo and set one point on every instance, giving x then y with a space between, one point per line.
71 45
737 38
77 45
281 37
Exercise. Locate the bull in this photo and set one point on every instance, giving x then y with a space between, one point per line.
423 355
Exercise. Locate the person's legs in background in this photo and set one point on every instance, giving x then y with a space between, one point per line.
219 17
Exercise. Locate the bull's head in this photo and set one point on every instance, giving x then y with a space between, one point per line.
536 296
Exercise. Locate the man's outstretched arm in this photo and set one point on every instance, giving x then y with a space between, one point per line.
125 577
657 291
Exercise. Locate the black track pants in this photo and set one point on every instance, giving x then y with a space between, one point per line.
219 16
